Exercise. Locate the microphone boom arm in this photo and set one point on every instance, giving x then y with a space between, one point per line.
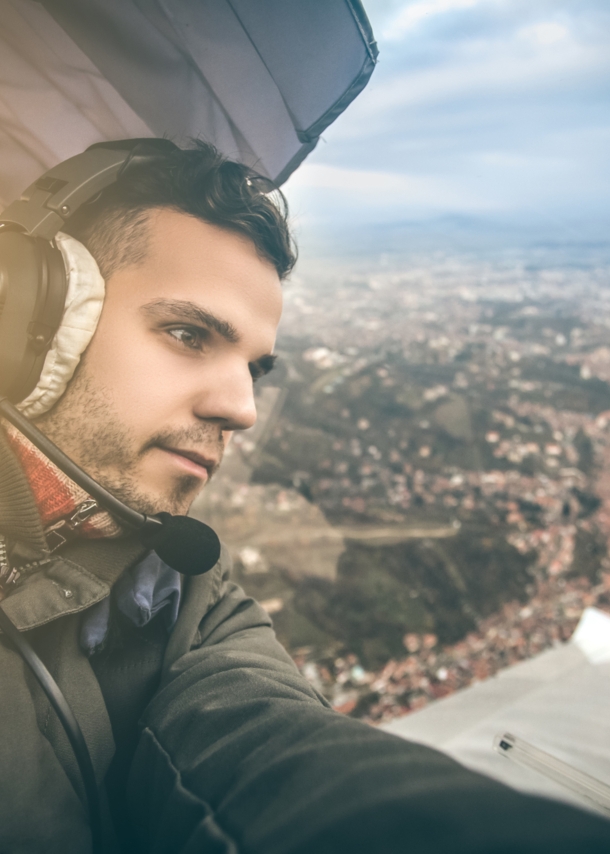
106 499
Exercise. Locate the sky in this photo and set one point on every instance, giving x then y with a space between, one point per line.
479 112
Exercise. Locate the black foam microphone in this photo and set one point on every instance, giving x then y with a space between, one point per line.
187 545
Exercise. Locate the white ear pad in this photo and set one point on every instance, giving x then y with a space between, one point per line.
84 301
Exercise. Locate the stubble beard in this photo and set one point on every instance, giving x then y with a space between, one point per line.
84 424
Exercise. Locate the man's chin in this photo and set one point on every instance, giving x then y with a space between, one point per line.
175 498
177 502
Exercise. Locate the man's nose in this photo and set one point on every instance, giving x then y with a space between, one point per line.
227 397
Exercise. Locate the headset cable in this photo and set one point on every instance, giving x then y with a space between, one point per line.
67 720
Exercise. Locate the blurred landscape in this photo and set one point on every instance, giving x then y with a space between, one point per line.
425 498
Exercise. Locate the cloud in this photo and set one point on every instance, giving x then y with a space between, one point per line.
545 33
532 59
378 189
413 13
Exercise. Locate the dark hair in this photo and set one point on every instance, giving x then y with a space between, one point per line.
199 182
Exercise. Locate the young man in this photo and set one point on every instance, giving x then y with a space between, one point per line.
203 734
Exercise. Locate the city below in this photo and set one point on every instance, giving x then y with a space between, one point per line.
426 497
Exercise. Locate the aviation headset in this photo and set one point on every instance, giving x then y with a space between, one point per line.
33 288
33 282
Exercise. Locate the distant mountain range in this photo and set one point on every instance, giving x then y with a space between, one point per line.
580 242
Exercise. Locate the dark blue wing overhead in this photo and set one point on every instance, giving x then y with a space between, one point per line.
259 78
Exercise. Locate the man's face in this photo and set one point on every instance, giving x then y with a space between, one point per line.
168 375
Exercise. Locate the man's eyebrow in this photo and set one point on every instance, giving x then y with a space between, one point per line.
189 312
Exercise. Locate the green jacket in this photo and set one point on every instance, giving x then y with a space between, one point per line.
232 750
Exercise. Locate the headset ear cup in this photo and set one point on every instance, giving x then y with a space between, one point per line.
32 296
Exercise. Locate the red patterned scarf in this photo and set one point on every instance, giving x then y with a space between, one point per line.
56 496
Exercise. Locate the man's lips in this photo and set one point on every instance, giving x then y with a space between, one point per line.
192 461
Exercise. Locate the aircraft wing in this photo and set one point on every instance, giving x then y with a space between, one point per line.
261 79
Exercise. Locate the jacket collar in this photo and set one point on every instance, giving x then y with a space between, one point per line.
19 518
77 576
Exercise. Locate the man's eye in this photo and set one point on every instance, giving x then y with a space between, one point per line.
192 339
262 367
255 372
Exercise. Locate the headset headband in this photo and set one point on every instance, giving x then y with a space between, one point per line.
47 203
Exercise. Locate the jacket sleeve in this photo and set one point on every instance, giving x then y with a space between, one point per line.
239 754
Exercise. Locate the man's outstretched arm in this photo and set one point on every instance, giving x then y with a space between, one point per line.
239 754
